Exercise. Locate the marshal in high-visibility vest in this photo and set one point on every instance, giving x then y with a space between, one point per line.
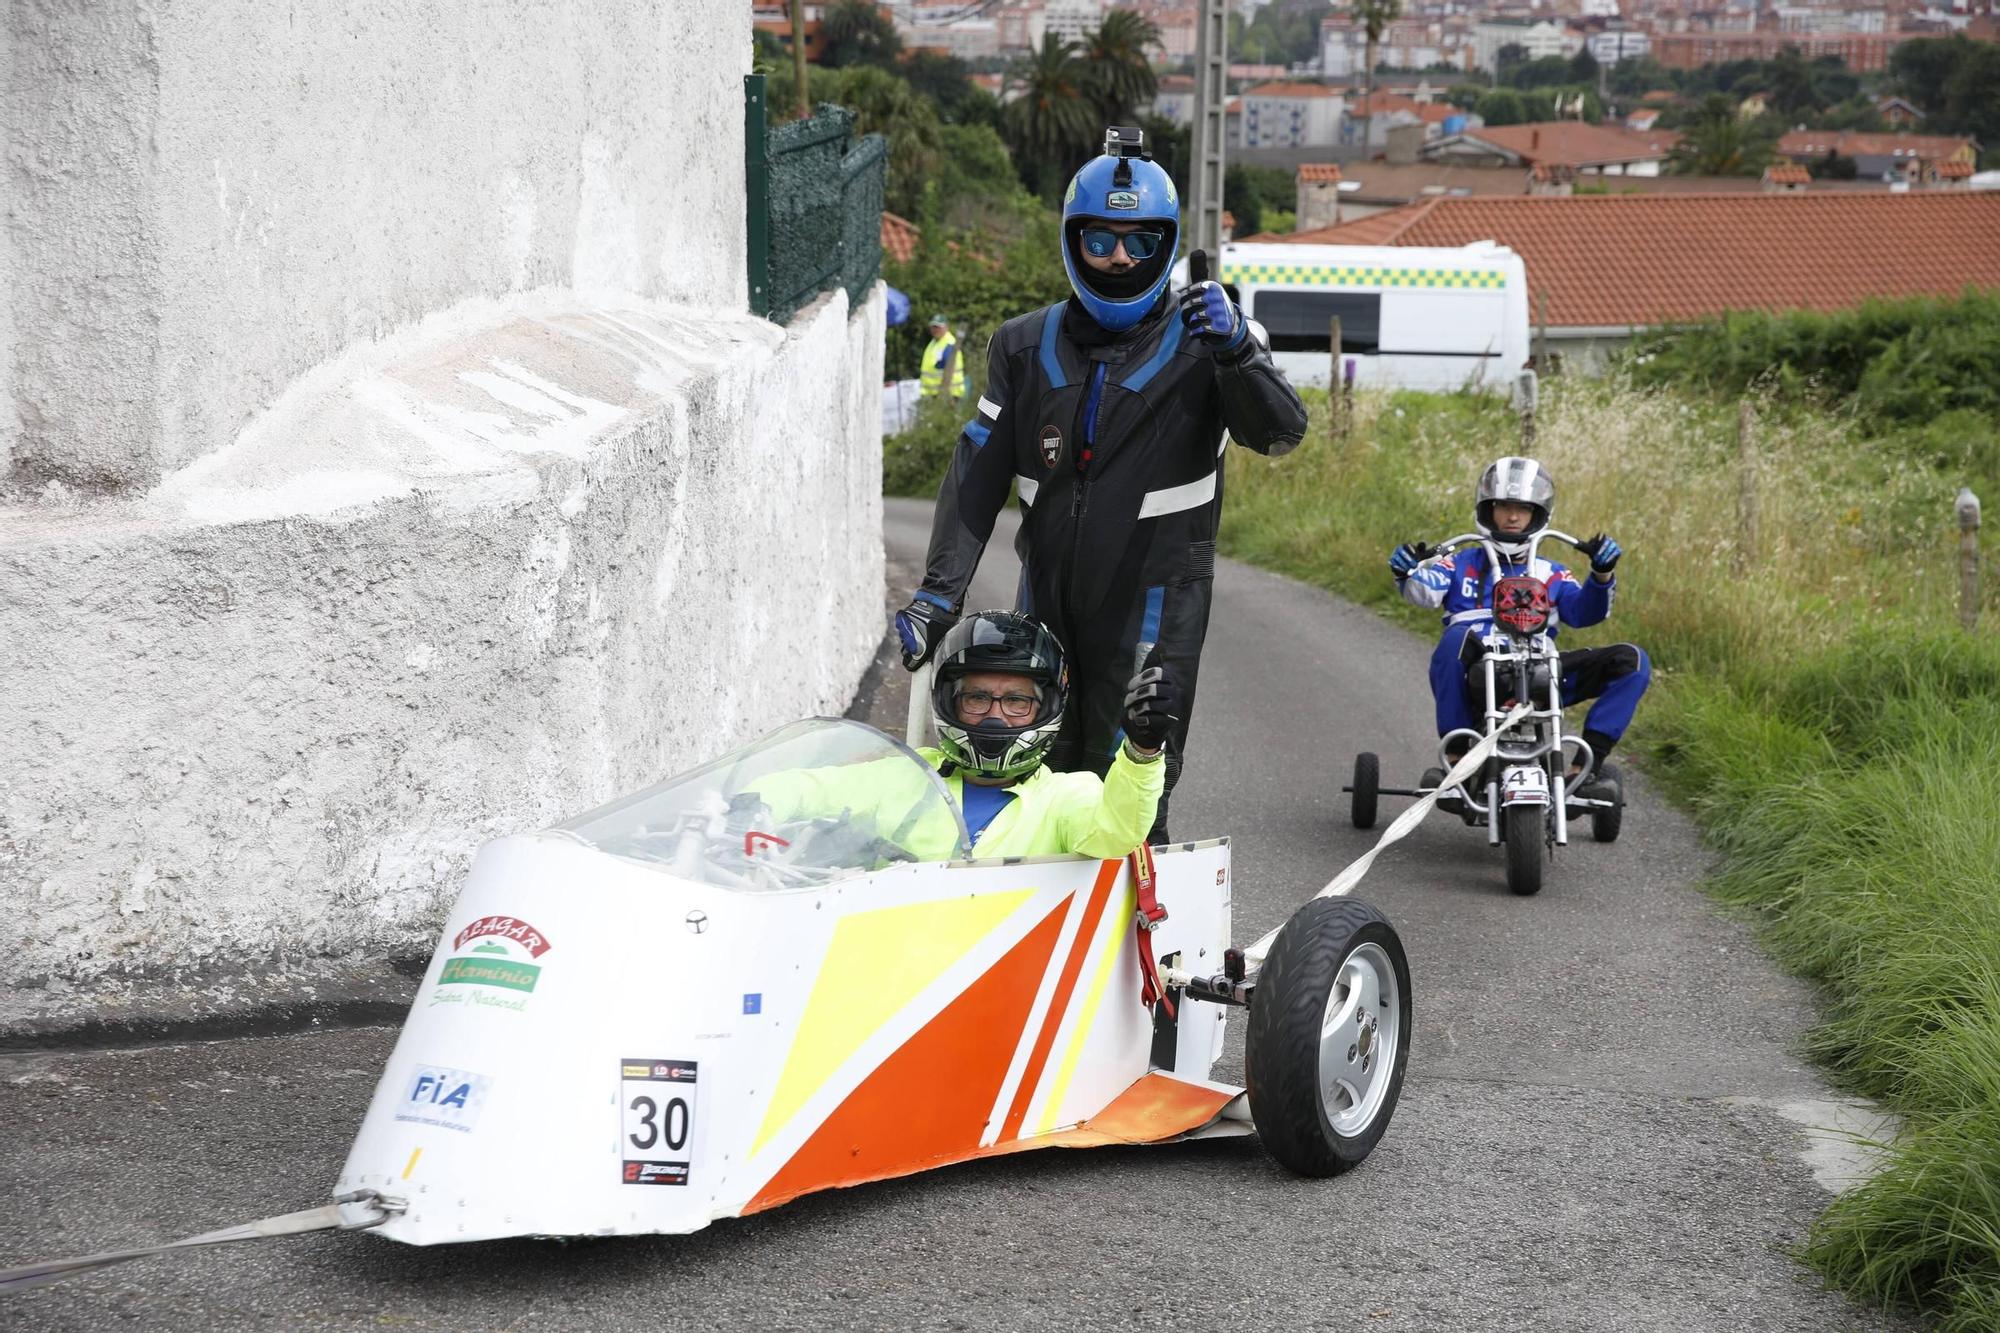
942 359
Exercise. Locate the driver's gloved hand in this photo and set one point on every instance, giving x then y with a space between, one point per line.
1407 557
1603 553
1152 703
920 625
1209 315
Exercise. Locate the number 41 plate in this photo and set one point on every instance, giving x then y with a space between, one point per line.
656 1120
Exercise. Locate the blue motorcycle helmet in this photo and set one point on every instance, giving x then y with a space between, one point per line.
1123 184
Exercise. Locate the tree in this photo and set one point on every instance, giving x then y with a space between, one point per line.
886 105
1119 72
1506 58
1465 96
1790 82
944 79
1547 72
1374 16
1717 143
1255 194
1583 68
1053 123
855 32
1502 106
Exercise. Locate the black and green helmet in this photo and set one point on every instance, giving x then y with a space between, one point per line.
1006 642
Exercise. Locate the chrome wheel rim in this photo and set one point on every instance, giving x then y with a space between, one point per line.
1361 1034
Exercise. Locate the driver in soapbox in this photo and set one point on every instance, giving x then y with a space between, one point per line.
998 696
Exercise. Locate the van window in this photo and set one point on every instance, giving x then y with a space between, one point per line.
1298 321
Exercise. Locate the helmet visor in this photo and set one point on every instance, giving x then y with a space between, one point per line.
1102 243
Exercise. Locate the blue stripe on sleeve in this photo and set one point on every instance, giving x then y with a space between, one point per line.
1051 326
977 431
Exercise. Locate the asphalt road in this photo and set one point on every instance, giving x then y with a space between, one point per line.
1601 1127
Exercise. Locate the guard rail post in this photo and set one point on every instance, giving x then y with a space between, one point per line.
1968 558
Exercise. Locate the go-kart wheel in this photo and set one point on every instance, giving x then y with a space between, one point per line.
1525 833
1604 824
1367 788
1329 1036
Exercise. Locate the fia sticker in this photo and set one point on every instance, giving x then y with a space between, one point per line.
656 1105
445 1098
1051 445
1124 200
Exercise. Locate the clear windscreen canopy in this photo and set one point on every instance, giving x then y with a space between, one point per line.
813 802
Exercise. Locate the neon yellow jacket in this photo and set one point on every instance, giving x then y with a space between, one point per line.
1051 814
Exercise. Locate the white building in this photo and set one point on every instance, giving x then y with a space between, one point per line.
1291 115
1544 37
1071 19
1616 44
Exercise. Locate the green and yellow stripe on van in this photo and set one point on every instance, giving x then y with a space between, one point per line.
1360 275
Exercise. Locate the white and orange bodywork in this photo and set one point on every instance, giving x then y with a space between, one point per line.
601 1048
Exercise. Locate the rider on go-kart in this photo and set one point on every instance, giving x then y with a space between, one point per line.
997 696
1515 499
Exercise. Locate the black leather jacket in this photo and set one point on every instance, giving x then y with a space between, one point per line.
1116 445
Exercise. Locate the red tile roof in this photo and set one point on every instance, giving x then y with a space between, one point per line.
1284 88
1575 144
1787 173
1381 104
899 237
1621 260
1954 170
1923 147
1319 173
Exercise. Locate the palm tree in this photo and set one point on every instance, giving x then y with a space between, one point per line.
854 32
1375 15
1718 143
1054 121
1120 72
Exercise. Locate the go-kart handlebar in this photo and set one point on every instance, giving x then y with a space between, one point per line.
1480 539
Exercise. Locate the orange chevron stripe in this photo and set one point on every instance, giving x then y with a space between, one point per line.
1100 894
926 1105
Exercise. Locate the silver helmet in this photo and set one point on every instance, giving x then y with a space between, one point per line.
999 747
1523 481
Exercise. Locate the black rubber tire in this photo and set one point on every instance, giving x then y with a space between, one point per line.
1281 1058
1367 789
1524 830
1605 824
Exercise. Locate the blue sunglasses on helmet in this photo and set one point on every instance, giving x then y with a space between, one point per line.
1099 242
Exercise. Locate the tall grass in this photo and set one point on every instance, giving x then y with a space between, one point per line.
1815 707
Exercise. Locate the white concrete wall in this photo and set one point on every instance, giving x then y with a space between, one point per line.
205 200
393 462
469 582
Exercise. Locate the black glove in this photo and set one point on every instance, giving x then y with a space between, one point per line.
1152 702
1407 557
1603 553
919 626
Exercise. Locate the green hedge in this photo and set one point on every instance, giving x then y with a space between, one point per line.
1904 362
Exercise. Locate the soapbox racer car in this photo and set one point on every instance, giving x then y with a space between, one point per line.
712 997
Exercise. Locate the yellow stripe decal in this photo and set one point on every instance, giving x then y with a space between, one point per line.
411 1165
1360 275
1119 918
876 965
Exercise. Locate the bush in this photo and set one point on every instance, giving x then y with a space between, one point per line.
979 279
913 462
1908 361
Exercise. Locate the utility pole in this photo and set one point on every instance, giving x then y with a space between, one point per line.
1211 101
799 53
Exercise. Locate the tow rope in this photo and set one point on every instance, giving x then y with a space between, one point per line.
1147 917
356 1211
1343 883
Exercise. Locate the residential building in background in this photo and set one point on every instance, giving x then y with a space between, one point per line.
1536 37
1569 145
1914 159
1291 115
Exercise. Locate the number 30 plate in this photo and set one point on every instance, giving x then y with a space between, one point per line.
656 1120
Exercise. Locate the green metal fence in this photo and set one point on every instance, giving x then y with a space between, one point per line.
814 203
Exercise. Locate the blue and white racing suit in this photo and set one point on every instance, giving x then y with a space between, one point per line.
1461 585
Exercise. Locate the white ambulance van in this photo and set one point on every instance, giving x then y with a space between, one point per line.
1410 317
